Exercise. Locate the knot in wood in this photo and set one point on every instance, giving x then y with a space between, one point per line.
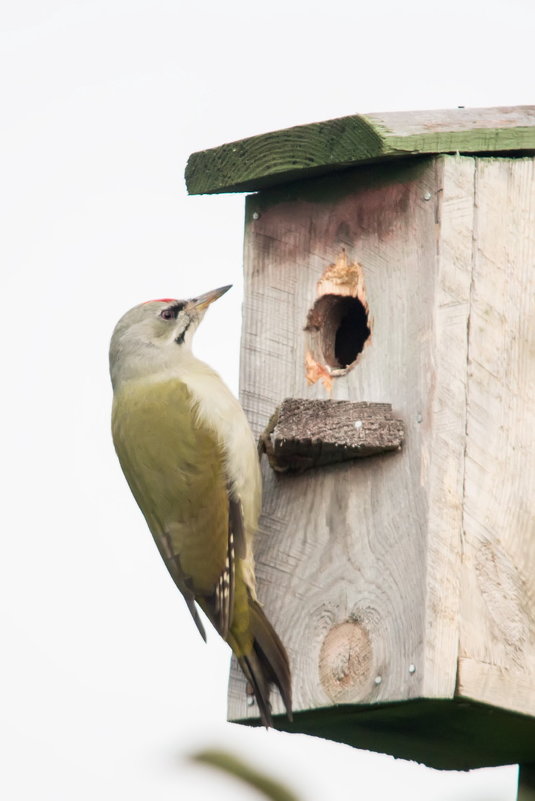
345 663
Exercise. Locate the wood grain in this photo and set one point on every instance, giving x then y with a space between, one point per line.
407 576
498 577
310 433
442 455
307 151
350 541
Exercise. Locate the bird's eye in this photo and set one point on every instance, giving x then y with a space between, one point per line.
167 314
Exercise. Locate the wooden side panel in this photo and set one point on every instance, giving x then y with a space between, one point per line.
497 647
343 551
443 447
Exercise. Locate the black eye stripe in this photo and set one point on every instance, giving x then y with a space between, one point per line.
171 312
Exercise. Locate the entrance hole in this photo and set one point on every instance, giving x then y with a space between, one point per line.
341 326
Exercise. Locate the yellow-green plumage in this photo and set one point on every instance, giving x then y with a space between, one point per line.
189 458
175 470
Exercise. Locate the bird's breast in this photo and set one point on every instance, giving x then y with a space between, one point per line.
175 468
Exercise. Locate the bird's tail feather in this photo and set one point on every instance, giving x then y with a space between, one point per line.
266 664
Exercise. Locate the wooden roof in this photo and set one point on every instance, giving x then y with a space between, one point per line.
304 151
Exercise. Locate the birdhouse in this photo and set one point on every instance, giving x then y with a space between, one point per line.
387 370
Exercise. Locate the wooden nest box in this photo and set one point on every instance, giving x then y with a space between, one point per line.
389 314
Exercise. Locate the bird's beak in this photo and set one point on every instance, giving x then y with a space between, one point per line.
203 301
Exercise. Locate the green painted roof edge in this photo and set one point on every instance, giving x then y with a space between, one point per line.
306 150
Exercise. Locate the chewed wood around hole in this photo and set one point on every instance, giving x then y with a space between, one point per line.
338 325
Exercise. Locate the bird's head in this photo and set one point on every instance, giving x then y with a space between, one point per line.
154 334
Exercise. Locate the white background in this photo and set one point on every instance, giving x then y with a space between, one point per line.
105 684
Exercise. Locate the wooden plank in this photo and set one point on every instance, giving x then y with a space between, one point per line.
444 734
443 447
311 433
344 564
497 645
310 150
509 687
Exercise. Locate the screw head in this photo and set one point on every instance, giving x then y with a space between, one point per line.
427 196
412 668
377 680
256 215
358 423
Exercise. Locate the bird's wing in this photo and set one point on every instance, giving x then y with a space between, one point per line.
236 527
190 601
224 591
183 582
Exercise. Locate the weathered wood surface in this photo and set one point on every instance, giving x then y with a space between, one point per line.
367 569
309 150
350 542
311 433
442 454
497 633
